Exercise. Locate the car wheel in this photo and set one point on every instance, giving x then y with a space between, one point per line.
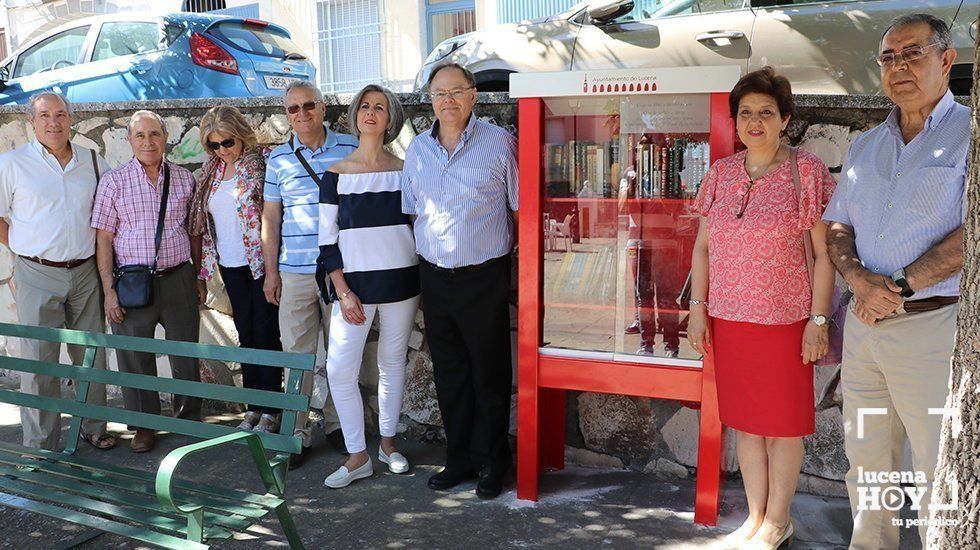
493 81
961 79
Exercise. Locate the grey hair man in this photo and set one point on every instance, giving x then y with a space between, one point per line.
126 213
896 236
290 225
46 197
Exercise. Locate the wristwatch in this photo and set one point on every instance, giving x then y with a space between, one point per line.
819 320
902 281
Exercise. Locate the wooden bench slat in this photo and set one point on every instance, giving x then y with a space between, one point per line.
301 361
100 472
97 522
153 521
202 430
218 392
41 475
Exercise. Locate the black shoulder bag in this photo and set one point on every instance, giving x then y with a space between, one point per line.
134 282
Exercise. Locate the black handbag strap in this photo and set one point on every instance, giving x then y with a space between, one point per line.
95 165
163 212
309 170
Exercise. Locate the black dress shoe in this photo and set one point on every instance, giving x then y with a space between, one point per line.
296 459
336 440
633 328
489 486
449 478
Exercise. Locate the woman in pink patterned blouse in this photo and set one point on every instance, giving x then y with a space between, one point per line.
753 305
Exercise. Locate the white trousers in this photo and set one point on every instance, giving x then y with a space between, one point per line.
344 355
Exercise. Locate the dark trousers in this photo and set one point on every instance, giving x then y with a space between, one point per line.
658 284
175 307
467 324
257 323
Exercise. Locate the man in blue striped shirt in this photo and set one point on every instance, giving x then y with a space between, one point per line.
290 225
896 236
460 181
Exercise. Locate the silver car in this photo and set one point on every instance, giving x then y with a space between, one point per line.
823 47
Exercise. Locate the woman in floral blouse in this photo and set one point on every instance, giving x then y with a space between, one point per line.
753 304
226 214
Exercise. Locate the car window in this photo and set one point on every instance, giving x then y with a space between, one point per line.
257 39
61 49
709 6
642 9
120 38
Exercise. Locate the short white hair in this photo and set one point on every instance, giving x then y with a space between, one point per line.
32 102
144 113
303 84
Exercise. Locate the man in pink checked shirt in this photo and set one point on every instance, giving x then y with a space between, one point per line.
126 209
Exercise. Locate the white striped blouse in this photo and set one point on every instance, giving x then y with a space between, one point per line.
364 232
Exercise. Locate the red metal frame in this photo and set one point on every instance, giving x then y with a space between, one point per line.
542 380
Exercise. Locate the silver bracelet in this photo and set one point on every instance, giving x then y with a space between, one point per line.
698 302
345 294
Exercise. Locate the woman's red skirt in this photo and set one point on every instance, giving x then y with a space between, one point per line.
764 388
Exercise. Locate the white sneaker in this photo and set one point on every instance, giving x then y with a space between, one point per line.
344 477
249 421
267 424
397 463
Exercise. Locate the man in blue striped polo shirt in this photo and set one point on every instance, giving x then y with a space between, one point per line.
896 236
460 181
290 222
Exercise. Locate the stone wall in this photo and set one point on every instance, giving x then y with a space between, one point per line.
655 436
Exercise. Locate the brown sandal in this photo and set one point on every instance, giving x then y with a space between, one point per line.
102 442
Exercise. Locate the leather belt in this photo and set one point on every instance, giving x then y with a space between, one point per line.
169 270
929 304
70 264
460 270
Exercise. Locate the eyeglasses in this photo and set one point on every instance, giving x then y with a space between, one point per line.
308 106
907 55
456 94
227 144
745 200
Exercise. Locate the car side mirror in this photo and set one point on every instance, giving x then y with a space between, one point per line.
604 11
4 74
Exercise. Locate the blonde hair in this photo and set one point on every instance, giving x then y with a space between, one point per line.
227 119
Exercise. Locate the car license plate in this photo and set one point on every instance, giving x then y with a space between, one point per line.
278 82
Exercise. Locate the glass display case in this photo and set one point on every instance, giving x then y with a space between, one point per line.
610 164
622 161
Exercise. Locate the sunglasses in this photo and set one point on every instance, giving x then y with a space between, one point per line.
308 106
227 144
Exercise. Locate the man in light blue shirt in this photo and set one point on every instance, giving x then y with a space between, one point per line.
460 181
896 236
290 225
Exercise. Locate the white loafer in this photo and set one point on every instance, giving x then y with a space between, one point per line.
344 477
397 463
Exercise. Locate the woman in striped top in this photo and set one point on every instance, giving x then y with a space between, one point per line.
367 265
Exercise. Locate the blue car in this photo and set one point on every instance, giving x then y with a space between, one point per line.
133 57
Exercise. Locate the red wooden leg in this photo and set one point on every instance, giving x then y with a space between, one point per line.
708 486
528 423
552 433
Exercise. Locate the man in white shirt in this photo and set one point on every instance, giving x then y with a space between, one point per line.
47 188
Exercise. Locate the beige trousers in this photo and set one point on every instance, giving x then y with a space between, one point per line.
896 371
303 318
60 298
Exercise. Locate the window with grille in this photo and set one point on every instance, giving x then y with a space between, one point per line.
348 44
449 18
3 43
202 6
514 11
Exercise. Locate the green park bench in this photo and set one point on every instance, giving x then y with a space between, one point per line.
150 507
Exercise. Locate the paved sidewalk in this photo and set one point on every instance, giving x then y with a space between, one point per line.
580 508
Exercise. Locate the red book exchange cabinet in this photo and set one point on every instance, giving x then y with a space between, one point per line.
610 162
